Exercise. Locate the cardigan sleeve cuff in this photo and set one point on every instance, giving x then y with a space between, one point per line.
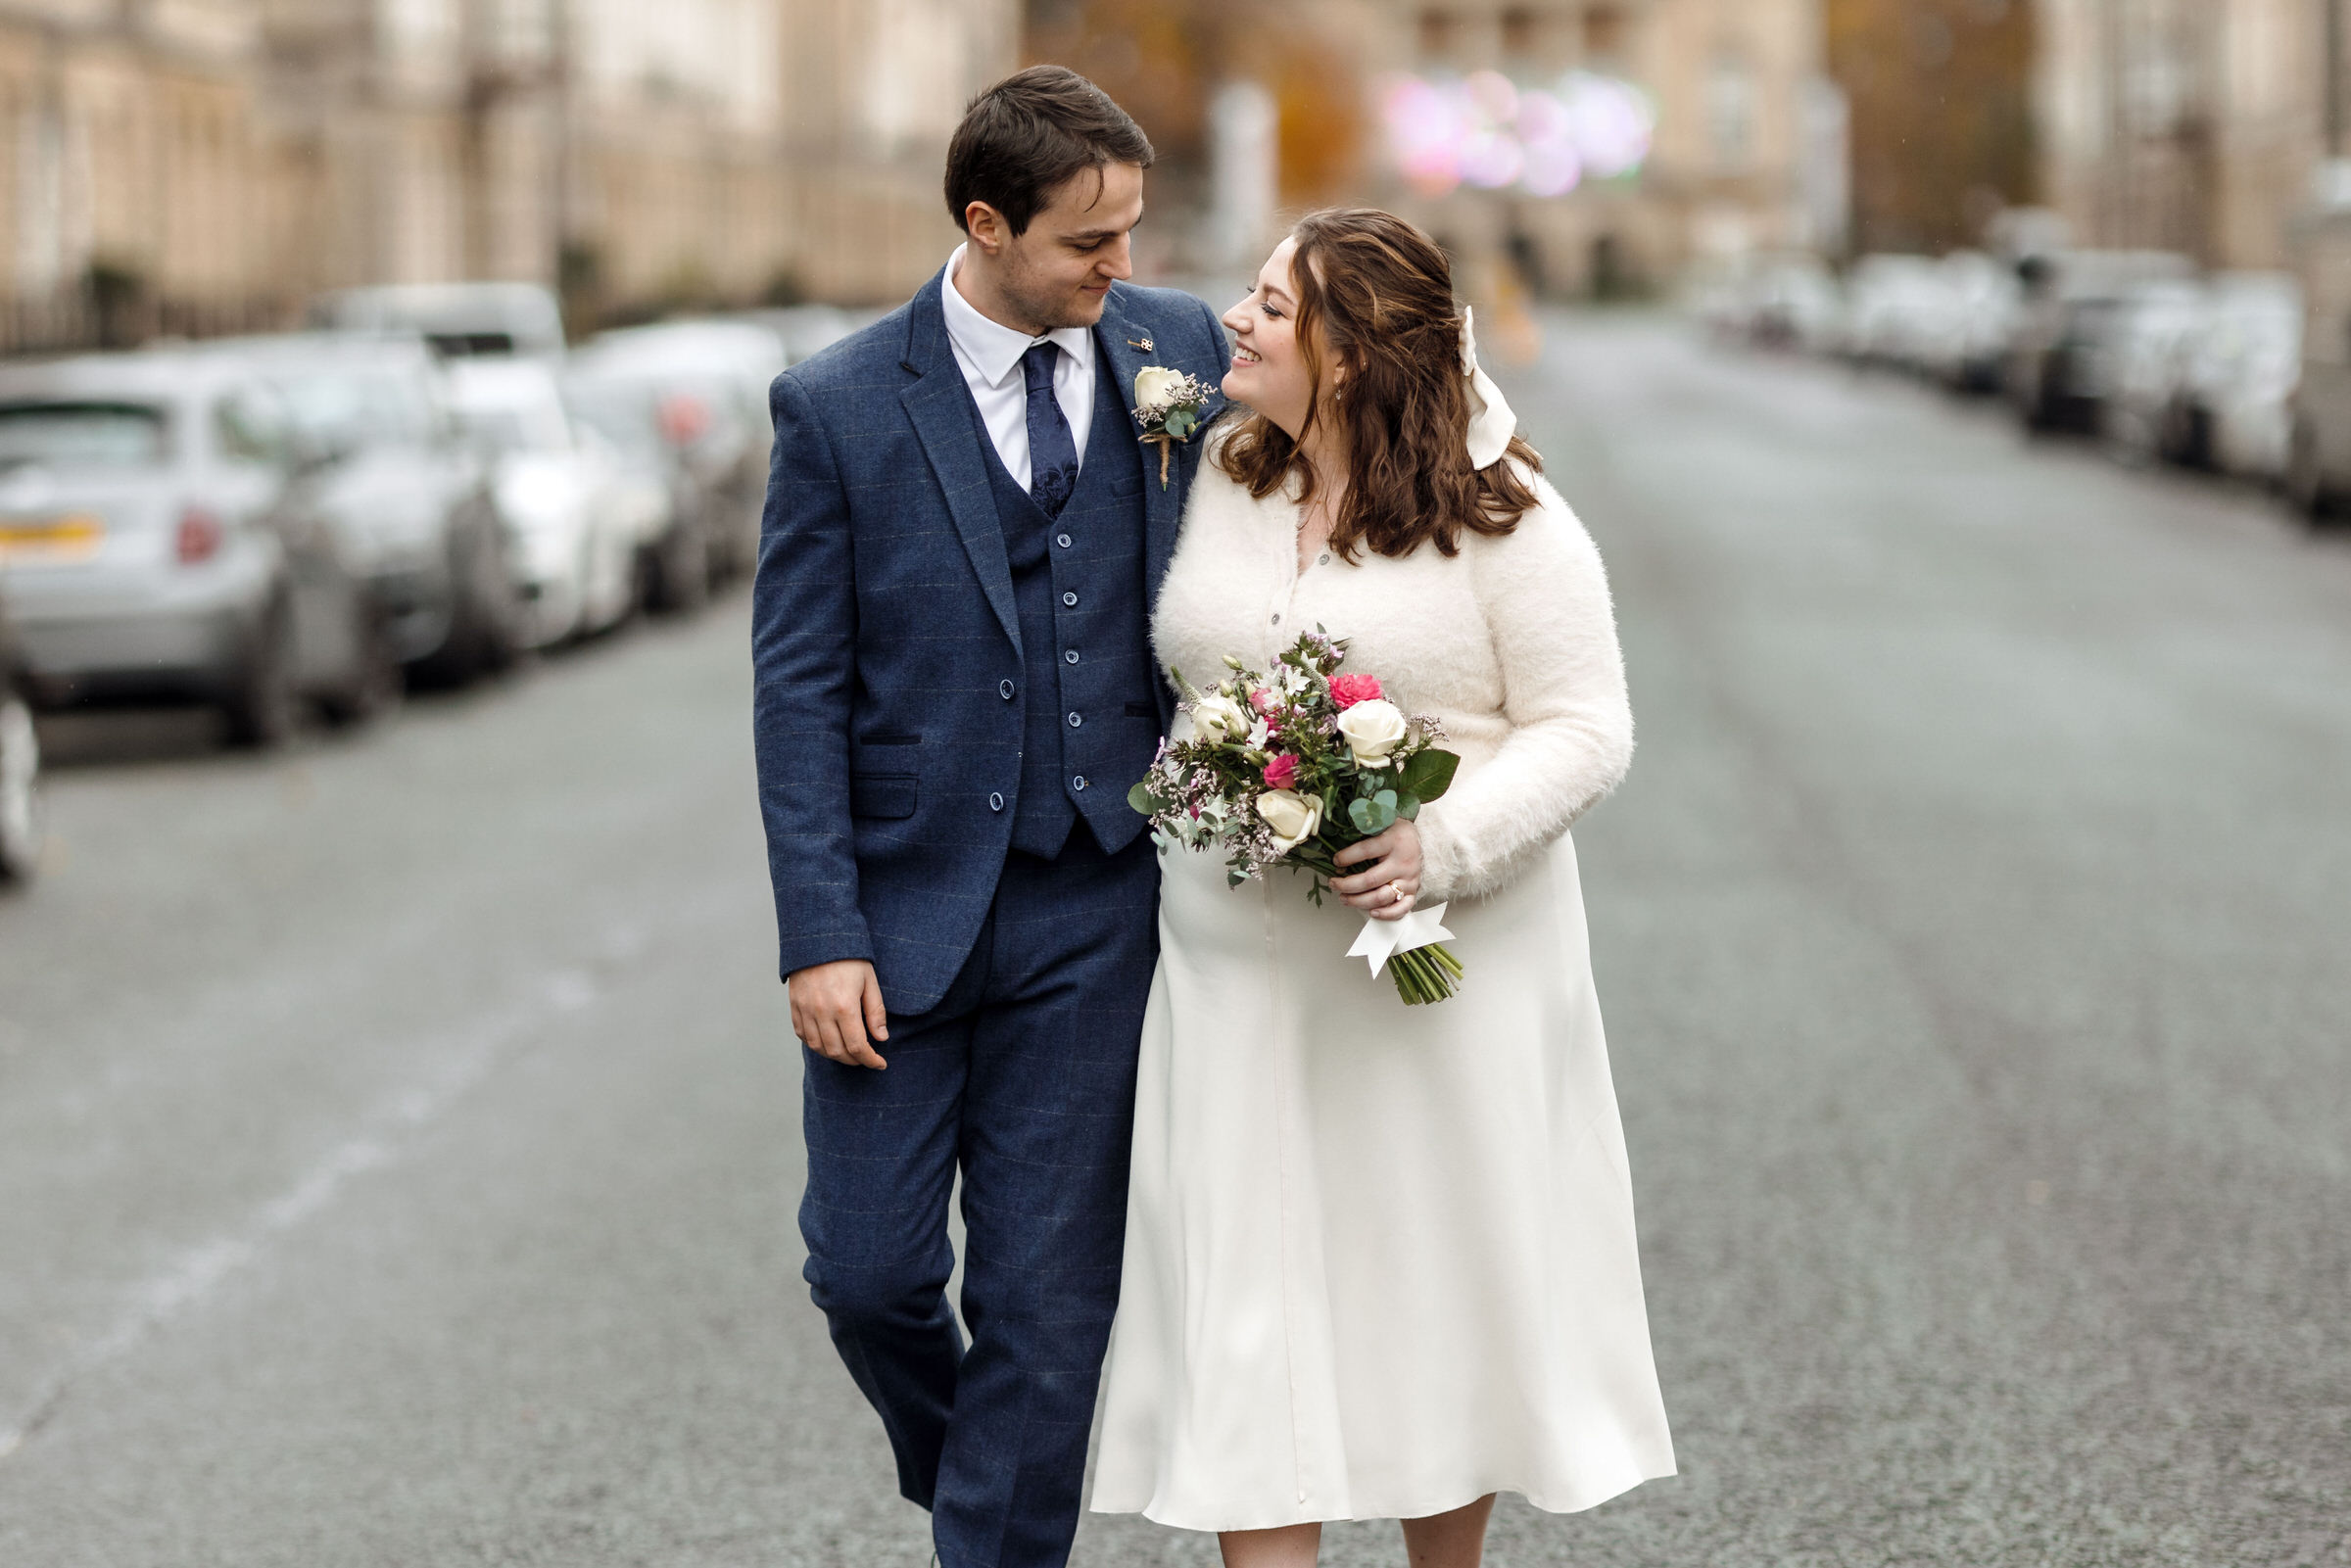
1443 861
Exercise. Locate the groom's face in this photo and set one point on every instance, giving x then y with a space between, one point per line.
1058 271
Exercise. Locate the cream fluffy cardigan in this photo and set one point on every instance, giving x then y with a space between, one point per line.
1511 644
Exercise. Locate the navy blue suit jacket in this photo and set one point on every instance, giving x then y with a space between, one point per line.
883 624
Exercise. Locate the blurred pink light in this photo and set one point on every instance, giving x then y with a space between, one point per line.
1486 132
1552 168
1491 160
1495 96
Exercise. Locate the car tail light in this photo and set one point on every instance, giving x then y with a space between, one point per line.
685 419
200 536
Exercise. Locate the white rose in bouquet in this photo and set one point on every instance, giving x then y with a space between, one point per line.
1373 730
1293 817
1218 719
1155 389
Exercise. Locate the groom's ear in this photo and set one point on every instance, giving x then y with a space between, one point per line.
986 229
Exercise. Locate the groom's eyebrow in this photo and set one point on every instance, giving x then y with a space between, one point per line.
1110 232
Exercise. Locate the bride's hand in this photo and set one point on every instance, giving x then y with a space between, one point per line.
1385 891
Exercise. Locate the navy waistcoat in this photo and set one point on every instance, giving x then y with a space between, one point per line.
1090 716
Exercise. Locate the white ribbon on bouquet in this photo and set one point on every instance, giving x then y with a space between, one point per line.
1383 939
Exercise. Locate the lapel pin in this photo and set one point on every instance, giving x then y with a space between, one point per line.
1145 344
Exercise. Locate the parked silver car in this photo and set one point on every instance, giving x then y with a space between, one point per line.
2061 360
2235 411
380 456
457 319
153 552
2149 340
706 384
579 516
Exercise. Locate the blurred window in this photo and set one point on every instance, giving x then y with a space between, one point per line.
1603 36
248 426
84 435
345 411
1440 31
1731 111
519 422
621 413
1521 36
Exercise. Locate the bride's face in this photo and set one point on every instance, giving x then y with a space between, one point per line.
1268 371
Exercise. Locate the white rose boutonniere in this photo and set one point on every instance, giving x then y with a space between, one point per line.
1373 731
1168 405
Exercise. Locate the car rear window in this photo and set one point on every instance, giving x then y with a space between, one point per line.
84 435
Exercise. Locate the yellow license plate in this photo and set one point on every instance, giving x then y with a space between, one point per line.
50 541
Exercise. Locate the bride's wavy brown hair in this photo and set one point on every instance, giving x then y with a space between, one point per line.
1378 295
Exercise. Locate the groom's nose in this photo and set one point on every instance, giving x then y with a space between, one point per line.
1118 257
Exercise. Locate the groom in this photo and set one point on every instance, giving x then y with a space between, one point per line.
955 689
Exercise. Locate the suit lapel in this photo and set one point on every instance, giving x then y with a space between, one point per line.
1121 339
940 407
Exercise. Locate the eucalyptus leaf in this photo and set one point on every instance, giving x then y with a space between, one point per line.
1144 801
1430 774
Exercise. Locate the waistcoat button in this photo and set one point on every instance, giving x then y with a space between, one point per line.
1005 691
1077 782
995 802
1063 541
1071 599
1071 656
1076 719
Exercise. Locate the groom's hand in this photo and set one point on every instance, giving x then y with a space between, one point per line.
835 1007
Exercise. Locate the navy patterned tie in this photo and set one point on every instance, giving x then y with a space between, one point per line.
1052 451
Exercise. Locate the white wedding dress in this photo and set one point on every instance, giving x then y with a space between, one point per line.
1380 1259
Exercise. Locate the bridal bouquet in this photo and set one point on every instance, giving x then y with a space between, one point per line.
1291 768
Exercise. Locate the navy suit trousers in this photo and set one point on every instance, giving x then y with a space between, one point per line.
1022 1076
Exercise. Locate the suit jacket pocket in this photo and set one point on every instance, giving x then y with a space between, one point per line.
885 795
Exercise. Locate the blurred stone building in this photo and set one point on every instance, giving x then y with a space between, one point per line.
1941 117
1718 132
199 165
2194 125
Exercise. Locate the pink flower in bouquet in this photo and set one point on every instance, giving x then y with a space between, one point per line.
1349 690
1282 772
1265 702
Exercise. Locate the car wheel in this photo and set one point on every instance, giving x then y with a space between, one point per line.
375 686
485 631
259 706
21 820
681 571
2305 476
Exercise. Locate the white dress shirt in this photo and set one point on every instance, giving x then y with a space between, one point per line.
989 354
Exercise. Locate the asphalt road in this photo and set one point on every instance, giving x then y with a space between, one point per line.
397 1137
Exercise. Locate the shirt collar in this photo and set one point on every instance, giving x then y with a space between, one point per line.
992 348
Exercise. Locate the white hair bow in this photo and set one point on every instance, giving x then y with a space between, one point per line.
1492 424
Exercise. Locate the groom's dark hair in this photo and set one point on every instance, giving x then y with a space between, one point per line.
1027 135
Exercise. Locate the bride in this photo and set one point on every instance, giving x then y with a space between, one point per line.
1379 1260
